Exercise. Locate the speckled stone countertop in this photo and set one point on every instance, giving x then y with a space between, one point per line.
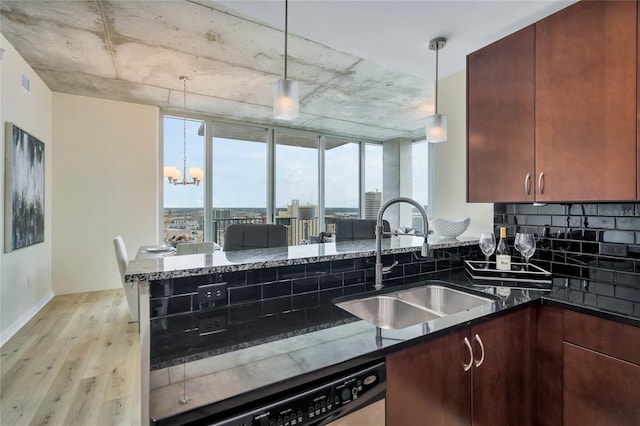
156 266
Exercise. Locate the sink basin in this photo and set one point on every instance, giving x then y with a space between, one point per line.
403 308
386 311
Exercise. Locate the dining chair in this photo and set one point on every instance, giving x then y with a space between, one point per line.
358 229
195 248
244 236
130 289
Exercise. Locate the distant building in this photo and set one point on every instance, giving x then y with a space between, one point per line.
372 203
221 214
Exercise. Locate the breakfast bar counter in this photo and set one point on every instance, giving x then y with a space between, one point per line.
157 266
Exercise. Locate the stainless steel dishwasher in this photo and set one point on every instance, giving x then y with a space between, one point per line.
346 401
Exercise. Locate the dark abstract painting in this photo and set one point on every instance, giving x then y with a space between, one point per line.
24 189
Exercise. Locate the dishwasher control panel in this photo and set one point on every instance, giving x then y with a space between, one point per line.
319 404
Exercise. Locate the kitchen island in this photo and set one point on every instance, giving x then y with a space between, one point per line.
271 294
264 340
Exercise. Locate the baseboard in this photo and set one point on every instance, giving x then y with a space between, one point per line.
24 318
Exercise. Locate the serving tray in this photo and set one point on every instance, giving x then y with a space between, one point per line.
481 270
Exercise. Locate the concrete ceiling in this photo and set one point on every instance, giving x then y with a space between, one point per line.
363 67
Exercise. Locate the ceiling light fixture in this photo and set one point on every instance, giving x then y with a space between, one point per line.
171 172
437 123
285 92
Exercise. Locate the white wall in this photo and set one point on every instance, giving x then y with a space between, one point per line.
25 274
450 174
105 174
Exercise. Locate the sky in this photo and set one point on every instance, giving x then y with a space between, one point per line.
240 171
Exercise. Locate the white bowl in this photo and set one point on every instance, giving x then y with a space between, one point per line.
449 228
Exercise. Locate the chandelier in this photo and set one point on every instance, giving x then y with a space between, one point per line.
171 172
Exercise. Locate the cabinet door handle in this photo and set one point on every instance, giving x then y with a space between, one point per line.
467 367
541 183
527 184
481 360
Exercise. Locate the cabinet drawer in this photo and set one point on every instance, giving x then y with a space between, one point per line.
608 337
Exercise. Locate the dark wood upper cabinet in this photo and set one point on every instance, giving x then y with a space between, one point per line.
557 102
586 102
500 120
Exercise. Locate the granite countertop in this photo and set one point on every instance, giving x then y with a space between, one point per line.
266 365
156 266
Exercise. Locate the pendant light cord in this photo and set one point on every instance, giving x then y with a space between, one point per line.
436 100
286 32
184 130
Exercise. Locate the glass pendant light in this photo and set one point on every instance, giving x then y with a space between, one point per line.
437 123
285 92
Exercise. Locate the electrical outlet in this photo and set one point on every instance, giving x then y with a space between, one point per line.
212 295
614 249
212 324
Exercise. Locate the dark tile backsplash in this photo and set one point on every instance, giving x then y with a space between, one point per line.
300 286
593 250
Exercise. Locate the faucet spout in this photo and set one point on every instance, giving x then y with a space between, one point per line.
380 232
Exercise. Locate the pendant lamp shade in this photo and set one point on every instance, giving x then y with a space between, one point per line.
437 128
285 91
436 125
285 99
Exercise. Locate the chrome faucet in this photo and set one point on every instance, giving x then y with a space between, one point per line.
380 270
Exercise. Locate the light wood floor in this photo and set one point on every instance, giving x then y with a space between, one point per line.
75 363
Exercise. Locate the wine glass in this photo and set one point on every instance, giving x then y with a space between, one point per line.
527 243
487 245
563 241
516 242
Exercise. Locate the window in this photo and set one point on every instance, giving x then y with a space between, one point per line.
419 179
341 181
373 180
183 211
259 174
296 182
239 171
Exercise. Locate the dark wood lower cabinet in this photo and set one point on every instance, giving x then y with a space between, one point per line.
599 389
427 384
549 366
503 386
601 371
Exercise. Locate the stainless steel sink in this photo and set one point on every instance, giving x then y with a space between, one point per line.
403 308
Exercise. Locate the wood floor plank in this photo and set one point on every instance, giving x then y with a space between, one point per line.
121 381
103 352
87 402
77 362
20 405
57 400
116 412
13 350
119 309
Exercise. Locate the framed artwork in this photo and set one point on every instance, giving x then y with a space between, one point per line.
23 189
